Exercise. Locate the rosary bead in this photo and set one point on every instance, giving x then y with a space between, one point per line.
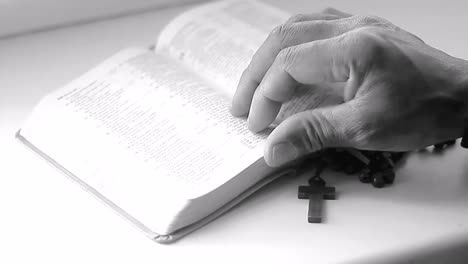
317 181
464 142
388 176
365 176
378 180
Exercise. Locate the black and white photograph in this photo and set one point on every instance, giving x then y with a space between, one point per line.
234 131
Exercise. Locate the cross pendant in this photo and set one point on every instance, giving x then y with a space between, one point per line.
316 194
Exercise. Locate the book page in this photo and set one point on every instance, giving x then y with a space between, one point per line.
163 115
218 40
139 128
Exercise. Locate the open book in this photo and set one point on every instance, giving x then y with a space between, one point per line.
148 131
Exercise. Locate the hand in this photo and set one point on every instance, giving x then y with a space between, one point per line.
400 94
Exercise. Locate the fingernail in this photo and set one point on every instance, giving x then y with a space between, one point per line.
283 153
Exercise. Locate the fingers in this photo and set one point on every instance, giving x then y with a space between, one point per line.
311 17
336 12
313 62
299 29
284 36
327 14
311 131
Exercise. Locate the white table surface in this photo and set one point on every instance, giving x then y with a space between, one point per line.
46 218
25 16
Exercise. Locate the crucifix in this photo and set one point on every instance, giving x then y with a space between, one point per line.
316 194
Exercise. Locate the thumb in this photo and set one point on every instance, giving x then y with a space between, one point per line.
311 131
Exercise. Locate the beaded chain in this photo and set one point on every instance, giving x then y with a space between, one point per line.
375 167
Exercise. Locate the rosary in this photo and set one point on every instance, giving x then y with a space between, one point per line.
375 167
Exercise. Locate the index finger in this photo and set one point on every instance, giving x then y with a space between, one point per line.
297 30
308 63
285 36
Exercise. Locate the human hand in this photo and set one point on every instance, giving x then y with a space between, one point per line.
400 94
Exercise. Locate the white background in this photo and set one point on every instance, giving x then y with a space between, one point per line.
22 16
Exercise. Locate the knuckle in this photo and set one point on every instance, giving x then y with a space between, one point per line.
373 46
367 41
287 58
370 20
328 10
375 21
332 11
296 18
319 132
282 34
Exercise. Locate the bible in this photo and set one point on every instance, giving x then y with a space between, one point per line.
148 131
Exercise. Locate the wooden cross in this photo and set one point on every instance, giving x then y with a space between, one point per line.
316 194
